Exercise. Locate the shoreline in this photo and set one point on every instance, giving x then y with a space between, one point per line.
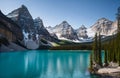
108 72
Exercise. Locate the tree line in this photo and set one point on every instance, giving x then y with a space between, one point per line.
111 48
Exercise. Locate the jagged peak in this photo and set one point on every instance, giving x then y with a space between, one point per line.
65 23
83 27
19 10
103 19
23 6
38 19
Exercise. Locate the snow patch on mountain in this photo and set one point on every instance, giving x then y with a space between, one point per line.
81 32
63 31
90 33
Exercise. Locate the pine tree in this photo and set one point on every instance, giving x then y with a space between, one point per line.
105 56
95 48
91 61
99 51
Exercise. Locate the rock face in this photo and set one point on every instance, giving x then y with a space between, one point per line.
10 29
65 31
82 33
104 26
23 18
29 26
40 29
50 29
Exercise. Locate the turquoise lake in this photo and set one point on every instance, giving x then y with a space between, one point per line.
45 64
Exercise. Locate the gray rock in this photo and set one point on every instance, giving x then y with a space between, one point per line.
23 18
104 26
65 30
81 32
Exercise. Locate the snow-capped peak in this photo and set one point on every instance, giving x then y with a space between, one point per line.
81 32
82 27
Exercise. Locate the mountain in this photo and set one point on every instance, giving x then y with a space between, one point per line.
41 30
102 25
23 18
50 29
10 35
82 32
64 31
10 29
33 29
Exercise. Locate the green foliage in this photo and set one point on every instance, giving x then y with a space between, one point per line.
91 61
112 49
95 48
105 56
44 41
43 47
96 54
65 42
73 47
99 51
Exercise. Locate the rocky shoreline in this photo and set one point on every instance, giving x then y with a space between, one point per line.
110 71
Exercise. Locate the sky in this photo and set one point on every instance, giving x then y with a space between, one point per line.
75 12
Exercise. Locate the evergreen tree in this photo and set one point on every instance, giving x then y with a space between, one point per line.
99 51
105 56
91 61
95 48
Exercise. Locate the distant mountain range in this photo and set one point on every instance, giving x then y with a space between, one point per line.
65 31
33 30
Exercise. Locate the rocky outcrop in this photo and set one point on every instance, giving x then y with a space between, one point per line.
10 29
11 47
82 33
40 29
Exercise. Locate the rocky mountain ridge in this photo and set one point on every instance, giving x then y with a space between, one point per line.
102 25
23 18
63 30
33 29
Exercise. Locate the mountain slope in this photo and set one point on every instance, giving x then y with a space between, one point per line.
64 31
81 32
23 18
41 30
9 28
104 26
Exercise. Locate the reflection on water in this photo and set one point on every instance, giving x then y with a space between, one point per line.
44 64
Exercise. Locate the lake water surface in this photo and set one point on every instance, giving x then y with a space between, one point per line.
45 64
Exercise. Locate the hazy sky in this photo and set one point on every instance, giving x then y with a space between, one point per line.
76 12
